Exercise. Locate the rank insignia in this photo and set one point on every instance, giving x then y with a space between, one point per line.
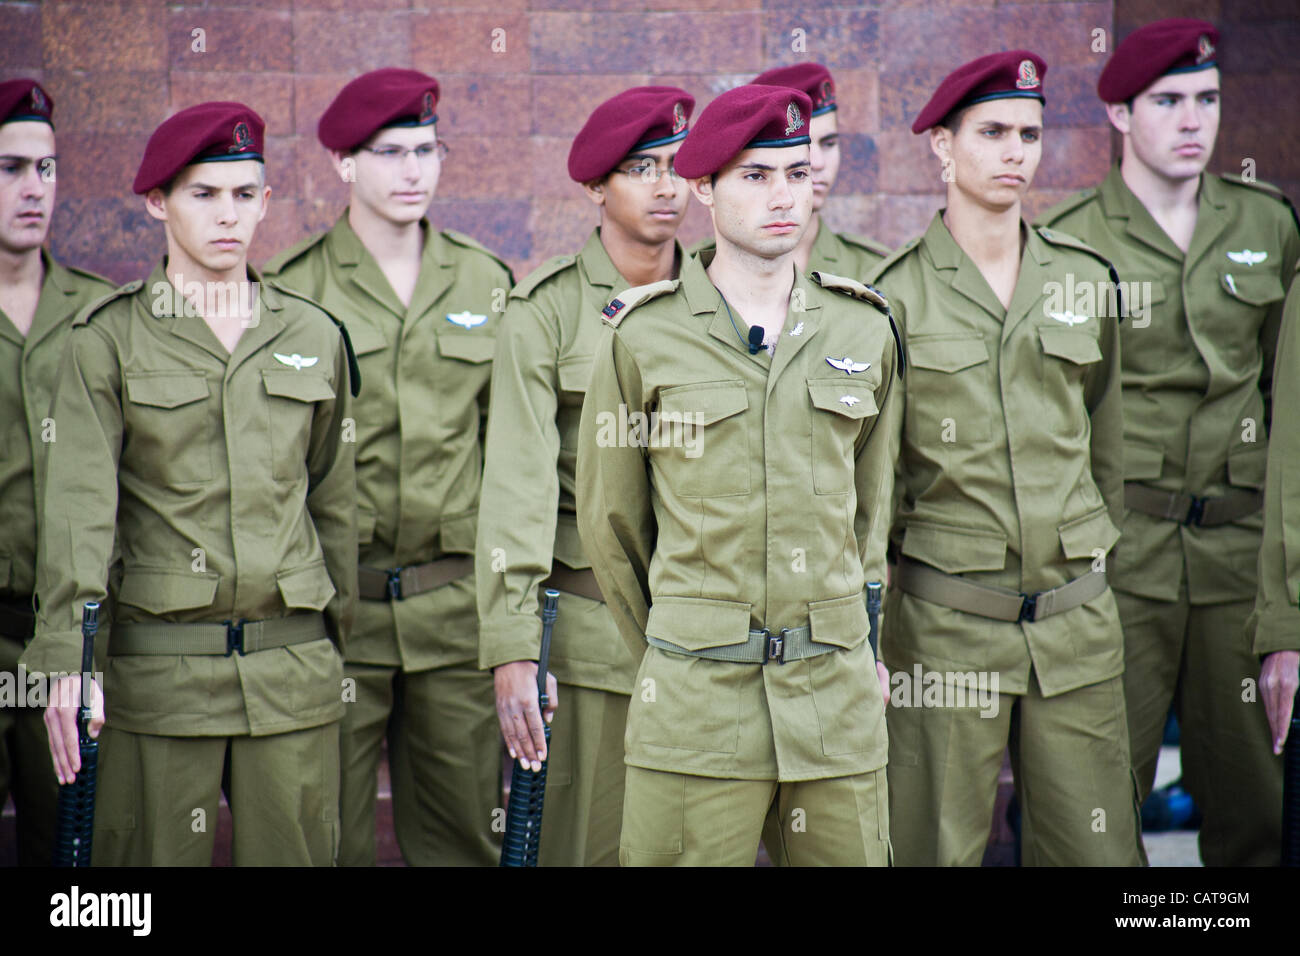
613 309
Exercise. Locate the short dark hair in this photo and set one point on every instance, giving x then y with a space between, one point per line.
952 122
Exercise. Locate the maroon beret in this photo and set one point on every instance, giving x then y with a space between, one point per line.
813 78
748 117
25 100
640 118
375 100
207 133
1148 53
993 77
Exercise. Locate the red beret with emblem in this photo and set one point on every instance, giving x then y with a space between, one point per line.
1015 73
813 78
207 133
1167 46
374 101
24 100
640 118
748 117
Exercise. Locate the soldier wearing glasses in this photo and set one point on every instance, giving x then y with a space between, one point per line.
419 306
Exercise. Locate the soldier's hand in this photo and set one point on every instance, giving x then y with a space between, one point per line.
518 713
61 724
1278 678
882 672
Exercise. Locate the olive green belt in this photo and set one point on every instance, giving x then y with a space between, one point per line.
762 647
1189 509
396 584
17 620
989 600
573 581
216 639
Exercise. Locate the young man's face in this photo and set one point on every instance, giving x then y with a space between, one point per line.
395 173
1173 124
824 154
762 200
640 198
213 210
993 155
26 185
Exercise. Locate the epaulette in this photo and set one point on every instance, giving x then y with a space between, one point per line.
860 290
1067 205
896 256
862 242
1268 189
627 300
469 243
278 262
121 292
354 370
525 287
1066 241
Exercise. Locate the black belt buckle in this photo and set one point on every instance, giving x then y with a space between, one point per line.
234 637
1028 607
1195 511
395 583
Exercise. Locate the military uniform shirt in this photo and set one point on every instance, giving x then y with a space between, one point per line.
1197 370
419 419
224 482
776 518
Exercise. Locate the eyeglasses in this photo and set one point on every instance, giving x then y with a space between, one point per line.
649 173
424 153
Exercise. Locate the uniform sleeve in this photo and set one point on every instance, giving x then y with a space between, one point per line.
1276 621
615 517
79 498
1269 330
516 524
876 453
332 495
1103 397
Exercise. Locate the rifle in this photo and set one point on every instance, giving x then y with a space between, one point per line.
528 787
76 814
1291 791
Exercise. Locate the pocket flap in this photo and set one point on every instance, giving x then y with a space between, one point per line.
697 623
166 389
306 587
300 386
1246 465
159 592
1259 288
955 550
467 348
946 353
1081 537
1148 291
575 373
706 403
1077 347
840 621
1142 462
365 338
843 397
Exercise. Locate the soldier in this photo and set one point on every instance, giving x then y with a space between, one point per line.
422 308
1206 260
821 249
38 299
528 532
1009 493
735 464
1275 624
203 480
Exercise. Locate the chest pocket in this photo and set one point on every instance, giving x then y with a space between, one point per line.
841 409
699 441
1067 358
950 384
291 402
169 424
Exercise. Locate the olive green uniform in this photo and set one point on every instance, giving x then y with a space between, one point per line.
28 367
836 253
1275 625
205 487
1009 476
764 506
1197 379
544 354
419 423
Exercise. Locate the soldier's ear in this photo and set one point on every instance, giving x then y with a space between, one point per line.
155 203
941 143
345 164
703 190
595 190
1120 117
